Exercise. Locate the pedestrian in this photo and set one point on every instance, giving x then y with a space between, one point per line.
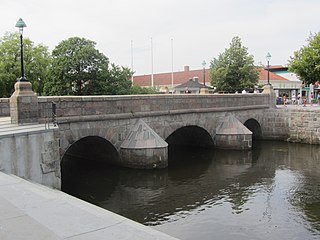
284 100
299 97
318 96
311 99
304 101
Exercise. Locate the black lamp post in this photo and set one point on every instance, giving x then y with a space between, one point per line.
204 72
268 57
21 24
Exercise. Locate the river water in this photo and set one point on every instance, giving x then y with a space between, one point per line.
271 192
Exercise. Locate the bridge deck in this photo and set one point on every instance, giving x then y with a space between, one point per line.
8 129
32 211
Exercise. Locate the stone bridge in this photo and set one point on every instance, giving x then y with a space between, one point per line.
135 131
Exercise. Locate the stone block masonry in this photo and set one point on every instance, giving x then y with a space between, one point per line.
31 152
4 107
295 124
79 108
23 104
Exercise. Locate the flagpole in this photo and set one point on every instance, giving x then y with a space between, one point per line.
132 60
172 63
151 63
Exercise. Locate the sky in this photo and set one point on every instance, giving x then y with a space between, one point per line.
156 36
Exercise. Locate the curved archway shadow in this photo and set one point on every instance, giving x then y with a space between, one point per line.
191 136
85 159
254 126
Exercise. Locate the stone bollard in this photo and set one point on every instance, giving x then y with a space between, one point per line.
23 104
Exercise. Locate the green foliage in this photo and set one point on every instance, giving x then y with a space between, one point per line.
143 90
78 68
75 65
233 69
36 62
306 61
115 81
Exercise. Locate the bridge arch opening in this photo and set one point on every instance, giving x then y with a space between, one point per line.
254 126
92 149
191 136
192 145
83 158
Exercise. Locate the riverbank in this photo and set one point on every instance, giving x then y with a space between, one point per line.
31 211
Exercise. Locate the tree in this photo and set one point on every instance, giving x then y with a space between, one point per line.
114 81
36 61
143 90
76 63
306 61
233 69
78 68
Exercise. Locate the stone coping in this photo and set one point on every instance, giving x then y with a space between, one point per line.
144 96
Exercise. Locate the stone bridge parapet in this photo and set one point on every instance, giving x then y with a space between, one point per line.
72 108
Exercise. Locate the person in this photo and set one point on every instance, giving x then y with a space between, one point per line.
311 99
318 96
299 97
293 98
186 90
284 100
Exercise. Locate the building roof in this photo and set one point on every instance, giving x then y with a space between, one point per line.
277 68
191 84
263 75
165 79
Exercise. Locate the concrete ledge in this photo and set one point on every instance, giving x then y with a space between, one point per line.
32 211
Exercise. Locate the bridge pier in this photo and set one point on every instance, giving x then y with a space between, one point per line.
143 148
232 134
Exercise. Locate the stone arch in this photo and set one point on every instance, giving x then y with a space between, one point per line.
190 136
92 148
254 126
87 154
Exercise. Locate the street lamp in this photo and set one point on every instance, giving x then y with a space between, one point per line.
268 57
204 72
21 24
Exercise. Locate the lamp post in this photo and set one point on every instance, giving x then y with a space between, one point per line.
21 24
204 72
268 57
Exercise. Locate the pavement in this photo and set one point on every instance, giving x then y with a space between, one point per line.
9 129
30 211
301 106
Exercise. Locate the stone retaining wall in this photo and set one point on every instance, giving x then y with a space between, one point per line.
292 124
33 155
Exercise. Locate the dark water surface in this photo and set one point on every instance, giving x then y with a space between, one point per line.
271 192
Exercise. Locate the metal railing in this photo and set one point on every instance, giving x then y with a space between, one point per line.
51 115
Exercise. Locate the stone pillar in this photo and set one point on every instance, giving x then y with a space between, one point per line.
204 91
23 104
268 89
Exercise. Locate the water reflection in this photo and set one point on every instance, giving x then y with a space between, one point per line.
271 192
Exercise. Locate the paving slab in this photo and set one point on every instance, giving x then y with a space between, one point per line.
32 211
